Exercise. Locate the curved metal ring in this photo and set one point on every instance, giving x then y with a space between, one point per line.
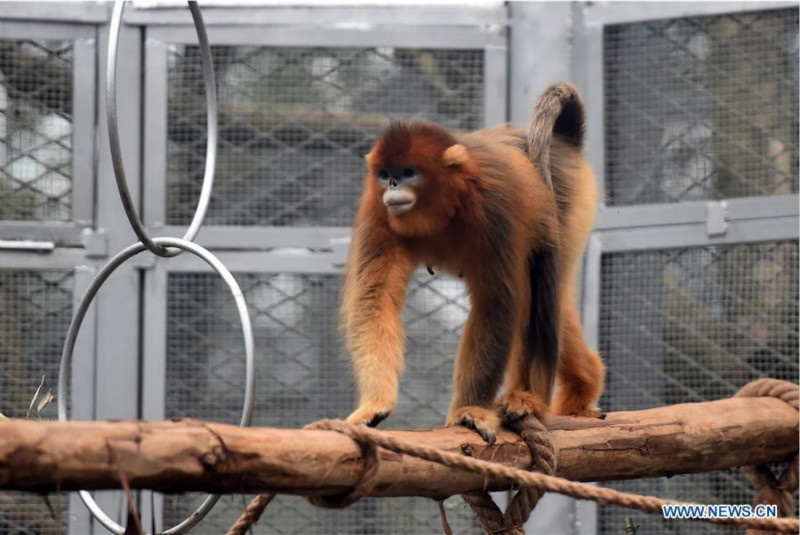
113 131
72 334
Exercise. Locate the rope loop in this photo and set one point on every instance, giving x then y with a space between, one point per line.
370 464
773 490
543 459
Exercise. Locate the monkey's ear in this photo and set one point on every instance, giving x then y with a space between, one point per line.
455 155
369 156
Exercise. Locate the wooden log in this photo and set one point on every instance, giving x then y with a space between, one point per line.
187 455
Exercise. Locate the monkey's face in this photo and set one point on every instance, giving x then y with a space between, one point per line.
399 182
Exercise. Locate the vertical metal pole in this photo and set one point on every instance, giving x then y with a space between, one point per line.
82 385
155 126
117 377
154 371
540 53
495 85
83 136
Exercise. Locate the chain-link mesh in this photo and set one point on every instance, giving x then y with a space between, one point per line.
702 107
35 310
303 375
295 124
36 130
689 325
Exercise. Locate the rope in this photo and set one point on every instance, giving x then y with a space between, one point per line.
369 474
362 434
251 514
773 490
494 521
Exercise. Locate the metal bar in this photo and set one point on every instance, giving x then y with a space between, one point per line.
62 234
591 293
540 49
495 84
695 235
118 329
232 237
607 13
741 209
27 245
486 14
56 259
309 36
73 12
154 370
16 29
154 342
82 385
587 62
286 261
155 125
83 133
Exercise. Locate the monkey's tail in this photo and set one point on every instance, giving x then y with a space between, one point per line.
559 112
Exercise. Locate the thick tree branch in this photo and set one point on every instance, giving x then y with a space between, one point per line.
186 455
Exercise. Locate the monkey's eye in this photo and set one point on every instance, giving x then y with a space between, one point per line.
409 172
383 174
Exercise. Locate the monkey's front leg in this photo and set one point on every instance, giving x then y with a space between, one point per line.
482 359
375 336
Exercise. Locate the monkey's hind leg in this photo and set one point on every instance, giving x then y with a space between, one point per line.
519 401
581 372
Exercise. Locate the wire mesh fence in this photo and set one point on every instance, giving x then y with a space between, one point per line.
303 375
695 324
36 130
702 107
35 309
295 124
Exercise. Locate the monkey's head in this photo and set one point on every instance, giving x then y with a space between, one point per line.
417 169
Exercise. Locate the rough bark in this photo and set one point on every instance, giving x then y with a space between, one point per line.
187 455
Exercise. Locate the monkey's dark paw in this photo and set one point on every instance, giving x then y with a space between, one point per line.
480 419
488 436
518 404
369 416
378 418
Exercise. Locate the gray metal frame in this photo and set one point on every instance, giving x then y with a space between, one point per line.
84 37
241 248
296 32
65 245
121 359
656 226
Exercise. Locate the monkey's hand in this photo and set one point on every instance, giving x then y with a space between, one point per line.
518 404
370 414
480 419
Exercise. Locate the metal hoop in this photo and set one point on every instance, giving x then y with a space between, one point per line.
72 334
113 131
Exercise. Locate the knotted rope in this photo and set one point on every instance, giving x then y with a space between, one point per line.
773 490
369 459
544 482
543 459
370 462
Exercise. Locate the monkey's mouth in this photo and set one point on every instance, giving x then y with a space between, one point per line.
399 206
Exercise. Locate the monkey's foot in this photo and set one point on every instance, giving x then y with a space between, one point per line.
371 415
483 421
574 406
518 404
